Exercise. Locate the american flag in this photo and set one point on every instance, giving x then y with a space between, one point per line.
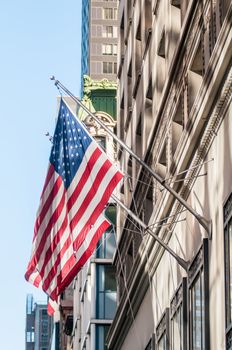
69 222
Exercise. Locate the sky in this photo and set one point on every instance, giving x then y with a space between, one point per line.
37 39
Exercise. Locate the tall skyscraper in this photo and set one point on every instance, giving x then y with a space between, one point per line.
38 326
99 39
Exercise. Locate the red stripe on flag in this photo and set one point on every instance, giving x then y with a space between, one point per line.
57 263
93 159
80 263
91 194
50 172
47 204
37 253
99 208
53 246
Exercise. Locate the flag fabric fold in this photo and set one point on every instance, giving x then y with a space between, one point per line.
79 182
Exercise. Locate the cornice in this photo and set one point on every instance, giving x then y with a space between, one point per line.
91 85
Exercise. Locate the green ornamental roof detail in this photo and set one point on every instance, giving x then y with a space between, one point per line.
90 85
99 96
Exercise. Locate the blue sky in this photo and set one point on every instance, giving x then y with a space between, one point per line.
37 39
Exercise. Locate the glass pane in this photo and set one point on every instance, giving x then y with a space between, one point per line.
196 316
110 280
101 305
110 305
100 338
100 278
110 244
177 330
106 291
111 213
100 252
101 333
162 343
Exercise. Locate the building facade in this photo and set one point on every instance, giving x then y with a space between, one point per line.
174 111
38 326
99 39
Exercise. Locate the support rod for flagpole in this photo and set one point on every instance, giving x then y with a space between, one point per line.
180 261
203 222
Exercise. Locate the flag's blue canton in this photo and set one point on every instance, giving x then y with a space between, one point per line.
70 142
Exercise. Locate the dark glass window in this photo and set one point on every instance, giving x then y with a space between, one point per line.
106 291
162 332
101 333
228 269
107 244
179 318
199 300
197 304
108 67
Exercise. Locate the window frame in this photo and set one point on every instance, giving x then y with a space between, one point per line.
180 299
107 65
102 292
227 221
162 328
200 265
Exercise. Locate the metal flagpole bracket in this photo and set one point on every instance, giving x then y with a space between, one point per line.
183 263
202 221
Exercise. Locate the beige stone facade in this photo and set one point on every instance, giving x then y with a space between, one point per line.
174 111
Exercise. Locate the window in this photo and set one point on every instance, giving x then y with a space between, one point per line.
44 325
44 338
101 333
108 67
96 13
162 332
110 13
115 67
96 31
30 337
95 49
178 318
109 49
95 67
107 243
228 267
106 292
107 31
29 304
44 313
199 298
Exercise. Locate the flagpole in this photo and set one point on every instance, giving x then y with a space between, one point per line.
180 261
206 224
